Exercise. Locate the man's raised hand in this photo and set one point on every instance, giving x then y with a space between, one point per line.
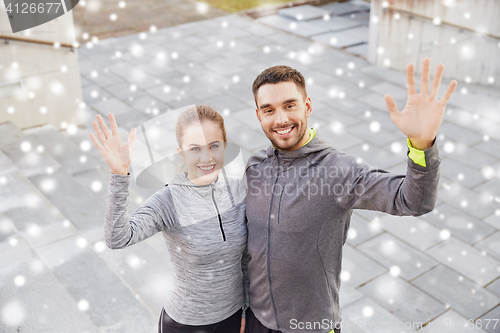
423 113
110 145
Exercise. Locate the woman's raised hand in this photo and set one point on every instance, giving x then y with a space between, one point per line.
117 154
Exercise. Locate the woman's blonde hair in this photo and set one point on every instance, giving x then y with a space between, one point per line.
197 114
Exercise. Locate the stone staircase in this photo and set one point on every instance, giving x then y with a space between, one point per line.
342 25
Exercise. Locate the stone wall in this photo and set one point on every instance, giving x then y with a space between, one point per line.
462 34
39 84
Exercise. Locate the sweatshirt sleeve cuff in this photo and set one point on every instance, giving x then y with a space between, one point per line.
119 183
423 159
416 155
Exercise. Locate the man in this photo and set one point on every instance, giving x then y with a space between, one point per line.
301 193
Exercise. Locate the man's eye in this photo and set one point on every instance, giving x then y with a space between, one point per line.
290 106
267 111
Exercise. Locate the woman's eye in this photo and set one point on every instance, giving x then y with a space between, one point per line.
214 146
195 149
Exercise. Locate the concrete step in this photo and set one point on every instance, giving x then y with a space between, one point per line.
29 157
68 154
26 211
7 228
97 289
85 210
33 299
9 133
42 199
145 267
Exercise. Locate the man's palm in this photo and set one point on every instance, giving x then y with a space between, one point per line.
423 113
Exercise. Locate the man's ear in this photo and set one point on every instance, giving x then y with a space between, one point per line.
257 113
309 107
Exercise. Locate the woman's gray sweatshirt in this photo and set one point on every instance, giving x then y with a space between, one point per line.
205 232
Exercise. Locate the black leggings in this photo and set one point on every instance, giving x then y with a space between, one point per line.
229 325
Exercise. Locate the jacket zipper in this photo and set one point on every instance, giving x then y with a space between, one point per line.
218 214
215 204
279 204
269 245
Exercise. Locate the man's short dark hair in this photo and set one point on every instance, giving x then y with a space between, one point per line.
277 74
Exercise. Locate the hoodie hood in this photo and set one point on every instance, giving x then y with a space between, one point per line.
283 159
196 203
219 183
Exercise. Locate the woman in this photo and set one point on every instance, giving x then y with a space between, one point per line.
201 215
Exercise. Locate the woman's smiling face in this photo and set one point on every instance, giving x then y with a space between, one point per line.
203 151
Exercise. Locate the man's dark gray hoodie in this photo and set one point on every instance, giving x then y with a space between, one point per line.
299 206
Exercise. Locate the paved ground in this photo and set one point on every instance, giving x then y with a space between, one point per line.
56 274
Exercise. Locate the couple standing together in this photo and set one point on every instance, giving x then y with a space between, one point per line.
264 253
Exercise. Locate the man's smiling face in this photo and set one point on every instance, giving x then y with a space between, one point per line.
283 111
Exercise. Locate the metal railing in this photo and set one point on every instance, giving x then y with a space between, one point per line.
37 41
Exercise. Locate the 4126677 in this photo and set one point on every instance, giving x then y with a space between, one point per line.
25 8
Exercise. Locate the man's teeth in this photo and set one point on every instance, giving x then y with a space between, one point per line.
284 131
207 168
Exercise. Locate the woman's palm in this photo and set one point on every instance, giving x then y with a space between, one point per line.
115 152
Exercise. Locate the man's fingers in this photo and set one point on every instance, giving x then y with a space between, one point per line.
410 79
391 106
112 122
425 78
98 131
437 80
103 126
448 93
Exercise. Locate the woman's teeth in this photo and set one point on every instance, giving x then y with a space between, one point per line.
207 168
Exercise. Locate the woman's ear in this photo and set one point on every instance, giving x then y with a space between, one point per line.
181 168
